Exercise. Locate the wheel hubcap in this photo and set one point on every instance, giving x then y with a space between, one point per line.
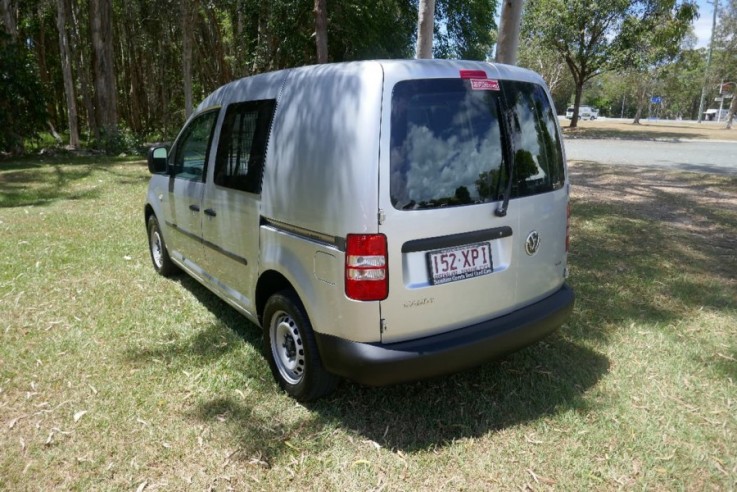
287 347
157 249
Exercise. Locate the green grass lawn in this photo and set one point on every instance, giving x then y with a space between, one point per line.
112 377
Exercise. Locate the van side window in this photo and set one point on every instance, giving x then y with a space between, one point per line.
242 149
193 146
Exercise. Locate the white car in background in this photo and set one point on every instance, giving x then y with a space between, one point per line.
584 113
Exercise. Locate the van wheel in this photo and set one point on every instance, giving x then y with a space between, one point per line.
291 349
156 246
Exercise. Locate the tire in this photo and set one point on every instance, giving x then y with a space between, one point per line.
291 350
159 254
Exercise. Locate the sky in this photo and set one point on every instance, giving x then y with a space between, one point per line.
702 26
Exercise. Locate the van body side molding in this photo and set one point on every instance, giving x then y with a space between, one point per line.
208 244
441 242
332 241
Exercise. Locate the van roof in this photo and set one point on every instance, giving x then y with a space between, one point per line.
394 69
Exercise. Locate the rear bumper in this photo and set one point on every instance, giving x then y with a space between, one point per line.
379 364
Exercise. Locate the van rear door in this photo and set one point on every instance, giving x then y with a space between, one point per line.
445 165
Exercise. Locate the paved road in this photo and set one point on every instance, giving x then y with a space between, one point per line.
701 156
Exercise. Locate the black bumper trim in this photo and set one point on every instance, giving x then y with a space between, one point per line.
378 364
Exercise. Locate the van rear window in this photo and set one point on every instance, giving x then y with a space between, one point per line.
450 147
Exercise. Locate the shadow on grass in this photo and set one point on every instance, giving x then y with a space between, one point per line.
637 133
33 181
547 378
653 248
208 344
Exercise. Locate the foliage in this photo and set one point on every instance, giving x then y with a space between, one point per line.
726 59
464 29
22 108
593 37
546 61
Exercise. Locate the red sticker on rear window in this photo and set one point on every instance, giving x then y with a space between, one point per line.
484 85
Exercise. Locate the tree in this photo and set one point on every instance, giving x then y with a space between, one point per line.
425 28
506 48
66 65
321 31
464 29
187 15
725 40
648 40
551 66
590 36
9 19
22 106
101 29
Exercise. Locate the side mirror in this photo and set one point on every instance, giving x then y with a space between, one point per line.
157 159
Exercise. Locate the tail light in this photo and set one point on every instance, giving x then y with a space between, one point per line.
568 227
366 268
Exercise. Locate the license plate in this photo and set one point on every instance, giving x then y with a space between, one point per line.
459 263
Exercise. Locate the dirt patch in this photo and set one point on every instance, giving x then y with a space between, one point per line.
650 130
702 205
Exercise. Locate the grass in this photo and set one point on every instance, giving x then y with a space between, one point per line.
114 378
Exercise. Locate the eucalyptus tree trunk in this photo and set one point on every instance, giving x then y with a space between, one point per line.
9 20
321 30
101 30
506 48
186 15
81 61
66 69
425 25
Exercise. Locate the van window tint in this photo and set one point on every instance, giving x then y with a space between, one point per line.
449 147
192 147
538 161
242 148
446 147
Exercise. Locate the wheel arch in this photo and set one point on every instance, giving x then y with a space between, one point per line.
148 211
269 283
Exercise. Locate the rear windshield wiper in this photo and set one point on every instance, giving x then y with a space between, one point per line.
501 210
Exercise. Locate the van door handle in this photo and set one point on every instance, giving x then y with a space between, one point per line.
210 212
194 208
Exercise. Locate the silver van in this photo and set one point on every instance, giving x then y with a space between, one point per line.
383 221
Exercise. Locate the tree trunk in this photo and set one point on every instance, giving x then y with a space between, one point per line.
425 26
186 14
66 69
101 30
577 103
321 30
506 48
732 111
9 18
82 69
640 105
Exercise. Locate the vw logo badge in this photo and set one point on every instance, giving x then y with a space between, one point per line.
532 243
